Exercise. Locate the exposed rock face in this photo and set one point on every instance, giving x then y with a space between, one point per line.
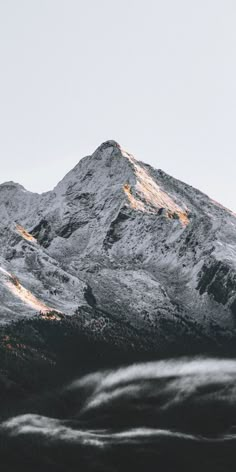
119 236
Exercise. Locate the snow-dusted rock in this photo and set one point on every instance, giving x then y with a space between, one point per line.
125 238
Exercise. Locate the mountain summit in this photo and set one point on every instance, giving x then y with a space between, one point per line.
119 237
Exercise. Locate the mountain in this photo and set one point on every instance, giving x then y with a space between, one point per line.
119 265
118 240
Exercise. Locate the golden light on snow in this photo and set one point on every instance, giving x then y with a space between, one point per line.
136 204
15 287
26 296
22 231
148 195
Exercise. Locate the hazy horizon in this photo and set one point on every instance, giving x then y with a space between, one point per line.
157 77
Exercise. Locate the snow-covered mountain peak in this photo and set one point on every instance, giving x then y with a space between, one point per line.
112 171
117 234
107 147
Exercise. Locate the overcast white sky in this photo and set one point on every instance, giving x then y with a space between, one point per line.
157 76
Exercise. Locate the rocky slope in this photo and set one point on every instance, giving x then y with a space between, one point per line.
118 237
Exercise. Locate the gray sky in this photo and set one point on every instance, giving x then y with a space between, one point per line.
157 76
